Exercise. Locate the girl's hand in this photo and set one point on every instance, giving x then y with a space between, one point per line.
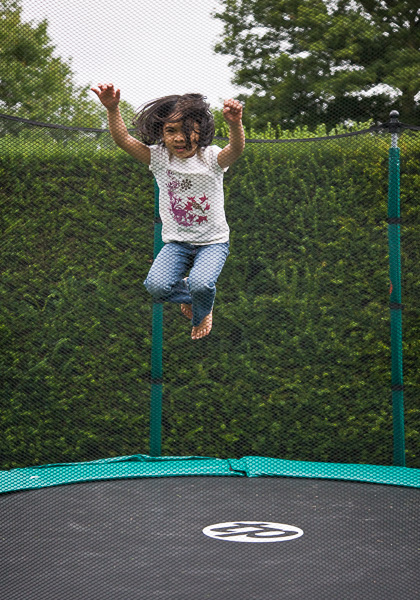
106 93
232 111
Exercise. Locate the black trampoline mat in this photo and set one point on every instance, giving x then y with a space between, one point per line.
142 539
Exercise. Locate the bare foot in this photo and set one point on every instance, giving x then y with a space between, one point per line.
204 328
187 310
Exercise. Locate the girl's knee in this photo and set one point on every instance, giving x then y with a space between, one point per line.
156 288
200 285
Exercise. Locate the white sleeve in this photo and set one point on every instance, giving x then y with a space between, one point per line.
158 158
212 153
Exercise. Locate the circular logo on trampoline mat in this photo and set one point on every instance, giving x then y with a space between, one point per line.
253 531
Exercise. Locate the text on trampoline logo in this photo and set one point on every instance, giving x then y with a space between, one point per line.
253 531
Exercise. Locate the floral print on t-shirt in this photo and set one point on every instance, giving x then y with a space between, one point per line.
186 210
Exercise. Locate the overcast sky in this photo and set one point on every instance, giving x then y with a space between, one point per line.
148 48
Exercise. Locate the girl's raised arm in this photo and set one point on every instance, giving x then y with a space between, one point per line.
110 98
232 112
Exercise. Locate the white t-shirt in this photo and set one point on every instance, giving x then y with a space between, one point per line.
191 200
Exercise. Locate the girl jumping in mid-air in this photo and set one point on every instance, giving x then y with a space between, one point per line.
177 132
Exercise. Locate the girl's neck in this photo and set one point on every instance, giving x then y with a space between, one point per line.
198 154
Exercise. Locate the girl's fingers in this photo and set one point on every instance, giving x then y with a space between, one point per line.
232 111
107 94
105 87
233 105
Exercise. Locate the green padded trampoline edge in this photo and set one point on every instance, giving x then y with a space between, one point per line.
256 466
129 467
138 466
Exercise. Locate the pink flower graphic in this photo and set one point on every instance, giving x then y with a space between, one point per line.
185 213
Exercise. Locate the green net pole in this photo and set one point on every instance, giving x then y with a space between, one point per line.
157 347
394 221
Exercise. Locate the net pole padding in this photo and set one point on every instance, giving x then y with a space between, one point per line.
157 349
396 308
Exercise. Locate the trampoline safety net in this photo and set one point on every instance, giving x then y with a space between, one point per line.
298 362
305 389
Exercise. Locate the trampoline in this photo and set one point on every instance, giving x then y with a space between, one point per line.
140 527
292 372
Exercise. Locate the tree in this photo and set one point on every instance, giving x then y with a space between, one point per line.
324 61
34 83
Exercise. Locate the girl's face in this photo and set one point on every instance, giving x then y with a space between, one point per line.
175 141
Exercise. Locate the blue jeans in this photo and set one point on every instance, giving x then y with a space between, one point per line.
166 283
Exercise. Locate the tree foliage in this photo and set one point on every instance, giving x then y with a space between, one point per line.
324 61
34 82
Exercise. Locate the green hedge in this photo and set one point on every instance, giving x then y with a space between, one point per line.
298 363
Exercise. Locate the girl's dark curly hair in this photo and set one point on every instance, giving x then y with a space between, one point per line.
189 108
